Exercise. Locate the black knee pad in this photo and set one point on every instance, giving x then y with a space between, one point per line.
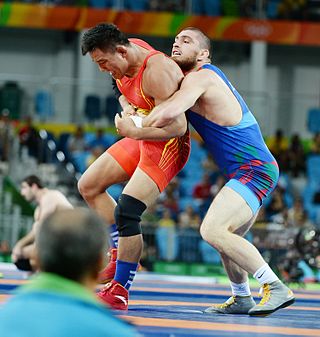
23 264
128 215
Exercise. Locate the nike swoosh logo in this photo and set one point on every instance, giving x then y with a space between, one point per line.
122 298
261 275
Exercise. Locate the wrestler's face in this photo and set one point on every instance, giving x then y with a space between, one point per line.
185 50
115 63
27 191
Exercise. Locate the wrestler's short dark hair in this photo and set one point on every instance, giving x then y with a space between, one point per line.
33 180
105 36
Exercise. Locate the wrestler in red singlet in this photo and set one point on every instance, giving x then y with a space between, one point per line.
160 160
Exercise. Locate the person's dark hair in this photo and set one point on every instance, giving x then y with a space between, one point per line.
70 243
33 179
105 36
204 40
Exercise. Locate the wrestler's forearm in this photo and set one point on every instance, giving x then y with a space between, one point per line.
123 102
156 134
176 105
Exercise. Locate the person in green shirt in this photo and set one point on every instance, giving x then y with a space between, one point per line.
59 301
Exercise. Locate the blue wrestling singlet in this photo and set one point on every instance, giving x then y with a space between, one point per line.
239 151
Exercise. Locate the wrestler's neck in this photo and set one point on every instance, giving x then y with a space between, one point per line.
40 194
198 65
136 57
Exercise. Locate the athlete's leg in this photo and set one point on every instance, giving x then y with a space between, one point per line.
229 211
144 189
104 172
140 192
235 273
241 301
27 259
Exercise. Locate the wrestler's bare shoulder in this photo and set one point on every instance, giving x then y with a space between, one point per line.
56 197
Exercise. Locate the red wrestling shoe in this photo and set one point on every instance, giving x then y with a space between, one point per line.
115 295
107 274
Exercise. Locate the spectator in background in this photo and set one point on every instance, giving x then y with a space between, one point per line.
217 186
166 237
278 143
209 166
315 145
297 217
277 206
77 150
48 201
201 191
99 141
170 197
167 5
70 249
296 156
151 216
292 9
6 135
29 138
188 234
251 8
188 218
202 194
77 142
95 153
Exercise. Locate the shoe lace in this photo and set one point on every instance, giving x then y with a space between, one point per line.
106 288
265 294
227 303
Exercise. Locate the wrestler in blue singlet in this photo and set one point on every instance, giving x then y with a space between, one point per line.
239 151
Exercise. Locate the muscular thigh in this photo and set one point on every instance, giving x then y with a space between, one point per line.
243 230
103 172
142 187
228 211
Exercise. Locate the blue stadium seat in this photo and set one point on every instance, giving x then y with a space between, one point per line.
206 7
136 5
101 3
92 108
209 254
313 169
112 108
115 191
272 8
313 120
212 7
43 104
79 160
62 144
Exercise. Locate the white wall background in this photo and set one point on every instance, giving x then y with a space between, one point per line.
52 60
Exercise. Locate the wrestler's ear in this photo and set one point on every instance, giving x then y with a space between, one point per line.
204 54
122 50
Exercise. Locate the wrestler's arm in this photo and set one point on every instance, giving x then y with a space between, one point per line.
160 70
27 240
23 242
193 86
127 108
126 127
48 205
